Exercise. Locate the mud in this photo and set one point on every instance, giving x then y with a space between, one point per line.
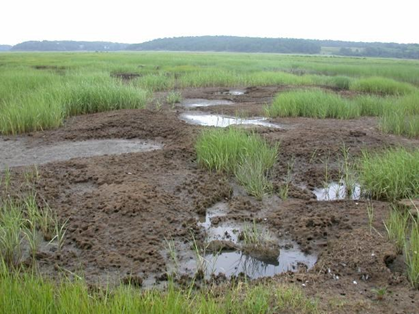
14 153
121 208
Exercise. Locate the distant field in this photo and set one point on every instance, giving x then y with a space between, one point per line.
39 90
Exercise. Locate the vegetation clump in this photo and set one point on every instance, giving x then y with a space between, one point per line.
314 103
235 151
381 85
390 175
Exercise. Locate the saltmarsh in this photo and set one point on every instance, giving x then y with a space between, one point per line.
39 91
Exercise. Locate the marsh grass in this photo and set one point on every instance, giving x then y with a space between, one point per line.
340 82
381 85
397 226
28 293
23 223
12 227
253 235
47 106
411 248
403 117
403 229
390 175
246 155
38 90
347 172
155 82
174 97
314 103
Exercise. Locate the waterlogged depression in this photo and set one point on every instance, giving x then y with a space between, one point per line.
234 257
222 121
338 191
196 103
16 153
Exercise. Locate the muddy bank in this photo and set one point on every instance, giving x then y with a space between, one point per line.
121 208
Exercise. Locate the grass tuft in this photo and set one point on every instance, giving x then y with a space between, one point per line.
314 103
235 151
391 175
381 85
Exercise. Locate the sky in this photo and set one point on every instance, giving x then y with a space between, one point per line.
130 21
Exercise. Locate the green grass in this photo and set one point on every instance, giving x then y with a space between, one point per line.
174 97
382 85
412 255
372 105
235 151
155 82
390 175
397 226
403 230
47 105
340 82
26 293
314 103
403 117
36 99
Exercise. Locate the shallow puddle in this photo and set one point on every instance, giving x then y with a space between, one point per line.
337 191
196 103
232 263
290 258
233 92
237 92
223 121
15 153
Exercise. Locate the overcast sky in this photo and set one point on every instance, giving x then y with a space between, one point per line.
135 21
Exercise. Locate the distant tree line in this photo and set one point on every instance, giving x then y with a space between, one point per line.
5 47
410 52
230 44
68 46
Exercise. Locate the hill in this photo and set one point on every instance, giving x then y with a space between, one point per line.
280 45
230 44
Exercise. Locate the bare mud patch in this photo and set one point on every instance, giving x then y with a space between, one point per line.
15 153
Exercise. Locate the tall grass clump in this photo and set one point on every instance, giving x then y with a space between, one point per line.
155 82
91 97
48 106
12 226
43 109
235 151
373 106
381 85
340 82
412 255
312 103
403 117
396 226
390 175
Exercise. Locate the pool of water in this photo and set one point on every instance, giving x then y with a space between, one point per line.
337 191
196 103
289 257
222 121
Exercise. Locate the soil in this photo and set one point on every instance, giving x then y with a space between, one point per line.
120 208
